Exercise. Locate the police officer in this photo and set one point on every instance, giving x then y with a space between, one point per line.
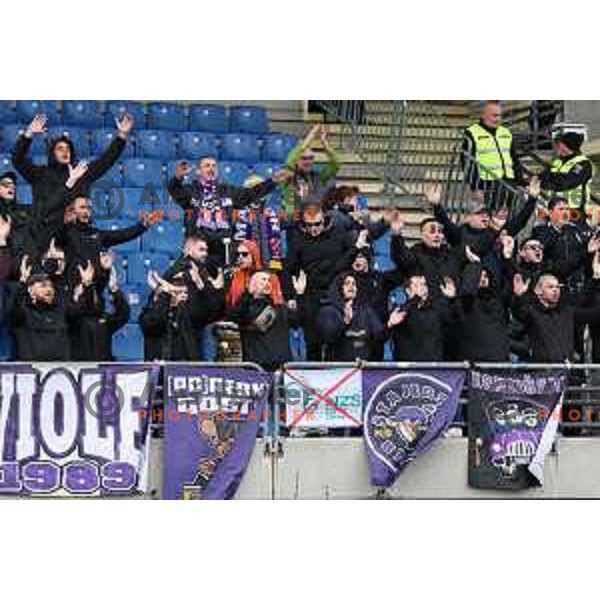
488 156
570 172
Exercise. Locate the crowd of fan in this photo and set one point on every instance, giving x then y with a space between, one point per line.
471 291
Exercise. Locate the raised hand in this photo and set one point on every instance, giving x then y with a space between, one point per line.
312 134
125 124
498 220
195 275
106 260
396 223
471 256
594 244
396 317
25 269
534 189
361 241
37 125
508 245
520 285
324 136
299 283
76 173
433 193
596 266
448 287
86 273
282 176
348 312
218 282
5 225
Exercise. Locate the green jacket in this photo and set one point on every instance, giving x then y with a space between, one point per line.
317 181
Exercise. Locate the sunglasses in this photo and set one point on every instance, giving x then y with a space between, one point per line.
313 225
242 253
307 158
533 247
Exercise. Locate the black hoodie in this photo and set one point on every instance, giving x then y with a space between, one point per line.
48 182
348 341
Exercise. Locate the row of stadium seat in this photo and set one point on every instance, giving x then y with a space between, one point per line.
166 145
156 115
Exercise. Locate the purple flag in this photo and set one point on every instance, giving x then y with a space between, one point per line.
404 413
212 418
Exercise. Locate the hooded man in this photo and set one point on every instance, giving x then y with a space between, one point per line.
55 184
348 325
569 174
209 203
20 215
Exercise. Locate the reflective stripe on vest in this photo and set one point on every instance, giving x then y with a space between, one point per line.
576 196
492 152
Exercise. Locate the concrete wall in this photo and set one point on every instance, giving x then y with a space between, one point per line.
584 111
336 469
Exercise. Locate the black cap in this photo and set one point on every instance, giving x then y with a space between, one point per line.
38 275
9 175
571 139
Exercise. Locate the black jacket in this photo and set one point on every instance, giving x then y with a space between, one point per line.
265 330
50 194
482 318
41 331
552 330
322 258
91 338
420 337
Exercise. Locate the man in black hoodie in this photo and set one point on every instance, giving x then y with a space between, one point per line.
322 251
209 203
20 216
53 185
84 242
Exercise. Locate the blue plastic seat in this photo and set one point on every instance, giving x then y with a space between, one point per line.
139 263
102 138
233 173
132 246
27 109
208 117
137 172
166 115
138 200
82 113
153 143
77 135
128 344
117 108
242 147
7 165
136 296
10 134
24 193
7 111
248 119
112 178
265 170
165 236
195 145
277 146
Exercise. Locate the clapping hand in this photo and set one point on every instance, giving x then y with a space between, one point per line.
396 317
520 285
37 125
299 283
125 124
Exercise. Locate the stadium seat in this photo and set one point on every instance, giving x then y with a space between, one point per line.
242 147
139 263
277 146
7 165
132 246
381 254
77 135
117 108
128 344
27 109
24 193
165 236
81 113
265 170
208 117
137 172
102 138
7 111
136 296
233 173
9 137
139 199
171 165
248 119
193 144
152 143
166 115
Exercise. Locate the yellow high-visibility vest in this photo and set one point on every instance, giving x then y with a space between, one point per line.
577 196
492 152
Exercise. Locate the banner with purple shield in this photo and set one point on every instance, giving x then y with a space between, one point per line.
405 411
513 419
212 418
75 430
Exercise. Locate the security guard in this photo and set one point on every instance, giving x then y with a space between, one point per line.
489 157
570 172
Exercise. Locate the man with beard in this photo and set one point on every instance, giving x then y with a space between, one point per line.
348 325
322 251
55 184
209 203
